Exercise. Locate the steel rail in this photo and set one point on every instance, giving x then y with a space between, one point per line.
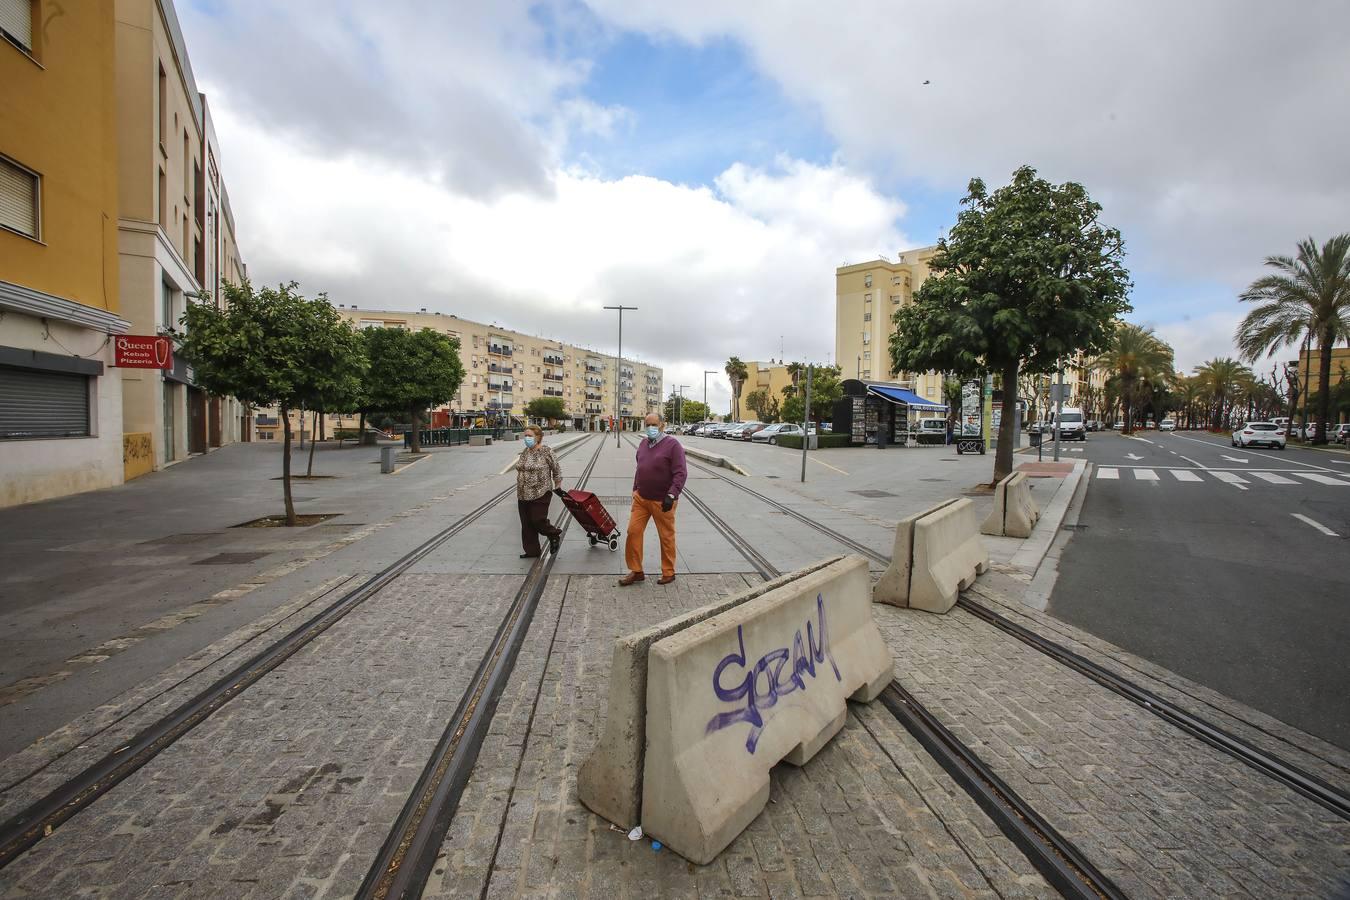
409 852
1288 774
45 815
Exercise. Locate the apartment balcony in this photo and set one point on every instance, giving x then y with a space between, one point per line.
501 369
499 349
594 370
553 359
497 404
597 397
626 371
550 377
595 408
500 388
553 392
595 382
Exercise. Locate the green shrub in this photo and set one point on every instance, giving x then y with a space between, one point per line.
825 442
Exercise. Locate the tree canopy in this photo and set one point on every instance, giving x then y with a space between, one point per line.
551 408
274 347
411 371
737 373
1133 356
1027 276
689 410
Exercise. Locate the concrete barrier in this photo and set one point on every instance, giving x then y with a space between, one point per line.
948 554
730 697
480 440
716 459
893 586
1014 513
610 780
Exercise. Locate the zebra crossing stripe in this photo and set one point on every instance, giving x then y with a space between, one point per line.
1321 479
1109 474
1229 477
1145 474
1273 478
1184 475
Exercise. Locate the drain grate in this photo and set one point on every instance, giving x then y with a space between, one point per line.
229 559
935 479
180 539
874 494
1079 527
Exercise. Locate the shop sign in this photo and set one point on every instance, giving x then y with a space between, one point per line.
142 351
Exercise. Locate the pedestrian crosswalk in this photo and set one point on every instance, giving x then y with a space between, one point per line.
1117 473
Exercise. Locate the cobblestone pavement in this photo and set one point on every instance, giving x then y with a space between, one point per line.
871 815
1160 812
290 789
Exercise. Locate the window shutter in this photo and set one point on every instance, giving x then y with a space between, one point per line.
43 404
18 196
16 21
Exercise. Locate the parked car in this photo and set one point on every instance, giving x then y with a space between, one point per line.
720 431
929 426
1071 424
745 431
770 434
1339 434
1254 433
1118 426
1167 425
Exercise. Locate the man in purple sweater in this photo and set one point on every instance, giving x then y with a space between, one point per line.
657 484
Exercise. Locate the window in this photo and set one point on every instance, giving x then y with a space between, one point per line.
187 168
867 354
867 317
895 299
16 22
867 280
867 298
166 305
19 195
43 404
163 111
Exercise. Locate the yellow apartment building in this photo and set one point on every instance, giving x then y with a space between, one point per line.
60 398
505 369
175 233
1310 372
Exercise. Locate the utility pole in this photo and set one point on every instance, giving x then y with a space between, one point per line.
806 425
679 408
618 370
1059 406
707 410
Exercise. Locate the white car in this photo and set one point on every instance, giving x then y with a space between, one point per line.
1167 425
1254 433
770 433
1339 434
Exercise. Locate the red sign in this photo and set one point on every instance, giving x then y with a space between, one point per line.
142 351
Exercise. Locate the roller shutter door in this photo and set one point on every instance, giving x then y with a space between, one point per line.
43 404
16 20
18 198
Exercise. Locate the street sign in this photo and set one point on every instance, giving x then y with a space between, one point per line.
142 351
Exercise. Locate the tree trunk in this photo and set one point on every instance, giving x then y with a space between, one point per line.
416 417
1324 387
1127 399
1003 457
286 465
309 471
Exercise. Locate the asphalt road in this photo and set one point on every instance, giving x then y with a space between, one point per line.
1228 566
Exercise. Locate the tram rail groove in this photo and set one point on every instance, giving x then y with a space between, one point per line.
1269 764
42 817
407 856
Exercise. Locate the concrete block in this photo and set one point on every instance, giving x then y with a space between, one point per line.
763 682
1014 513
948 555
893 586
480 440
610 780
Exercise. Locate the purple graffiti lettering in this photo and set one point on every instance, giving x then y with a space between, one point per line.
778 678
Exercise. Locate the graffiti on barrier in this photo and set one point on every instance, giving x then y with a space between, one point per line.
777 674
136 447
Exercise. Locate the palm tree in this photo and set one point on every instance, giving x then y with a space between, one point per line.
738 373
1308 295
1225 382
1134 353
1189 392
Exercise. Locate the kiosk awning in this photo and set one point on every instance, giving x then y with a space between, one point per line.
909 398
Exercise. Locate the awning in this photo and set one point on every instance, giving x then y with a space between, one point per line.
909 398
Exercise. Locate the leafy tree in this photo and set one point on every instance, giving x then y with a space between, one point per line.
411 371
551 408
1307 295
1133 355
826 388
273 347
757 402
1225 384
1028 276
738 373
691 410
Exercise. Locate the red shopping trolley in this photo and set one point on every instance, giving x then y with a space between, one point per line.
591 515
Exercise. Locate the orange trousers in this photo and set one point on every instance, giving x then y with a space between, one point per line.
637 527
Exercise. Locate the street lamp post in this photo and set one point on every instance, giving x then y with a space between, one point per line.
679 408
706 373
618 368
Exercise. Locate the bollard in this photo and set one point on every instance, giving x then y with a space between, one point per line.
387 460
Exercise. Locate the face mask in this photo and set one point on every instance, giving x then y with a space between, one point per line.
653 432
529 442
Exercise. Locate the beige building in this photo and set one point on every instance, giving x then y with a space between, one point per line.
175 232
505 369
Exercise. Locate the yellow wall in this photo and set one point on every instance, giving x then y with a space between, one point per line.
892 285
58 119
138 455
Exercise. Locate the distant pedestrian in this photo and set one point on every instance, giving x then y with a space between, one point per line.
537 474
657 484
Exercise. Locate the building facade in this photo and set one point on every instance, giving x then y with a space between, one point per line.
505 369
60 398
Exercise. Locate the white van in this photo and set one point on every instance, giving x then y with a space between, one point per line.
1072 426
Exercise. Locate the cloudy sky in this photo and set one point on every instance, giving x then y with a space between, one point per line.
712 162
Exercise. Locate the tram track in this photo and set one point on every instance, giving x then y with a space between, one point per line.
45 815
1265 762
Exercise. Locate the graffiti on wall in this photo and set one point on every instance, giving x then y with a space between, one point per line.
138 454
778 672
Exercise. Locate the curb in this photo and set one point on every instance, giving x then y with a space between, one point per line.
1029 556
714 458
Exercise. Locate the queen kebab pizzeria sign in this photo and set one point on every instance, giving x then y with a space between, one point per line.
142 351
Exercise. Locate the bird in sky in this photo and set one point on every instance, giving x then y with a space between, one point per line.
927 82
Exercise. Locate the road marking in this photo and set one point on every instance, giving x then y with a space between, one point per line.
1228 478
1198 465
1318 525
1132 456
1340 462
1109 474
1234 458
1273 478
1145 475
1322 479
826 465
1254 453
1133 438
1173 452
1185 475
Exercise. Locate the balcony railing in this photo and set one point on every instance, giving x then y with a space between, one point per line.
548 377
554 360
594 408
595 382
595 370
500 388
553 392
501 369
590 396
499 349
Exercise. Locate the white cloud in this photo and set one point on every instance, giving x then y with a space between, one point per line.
1197 339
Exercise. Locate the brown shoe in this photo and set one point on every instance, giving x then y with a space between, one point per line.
631 578
665 579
